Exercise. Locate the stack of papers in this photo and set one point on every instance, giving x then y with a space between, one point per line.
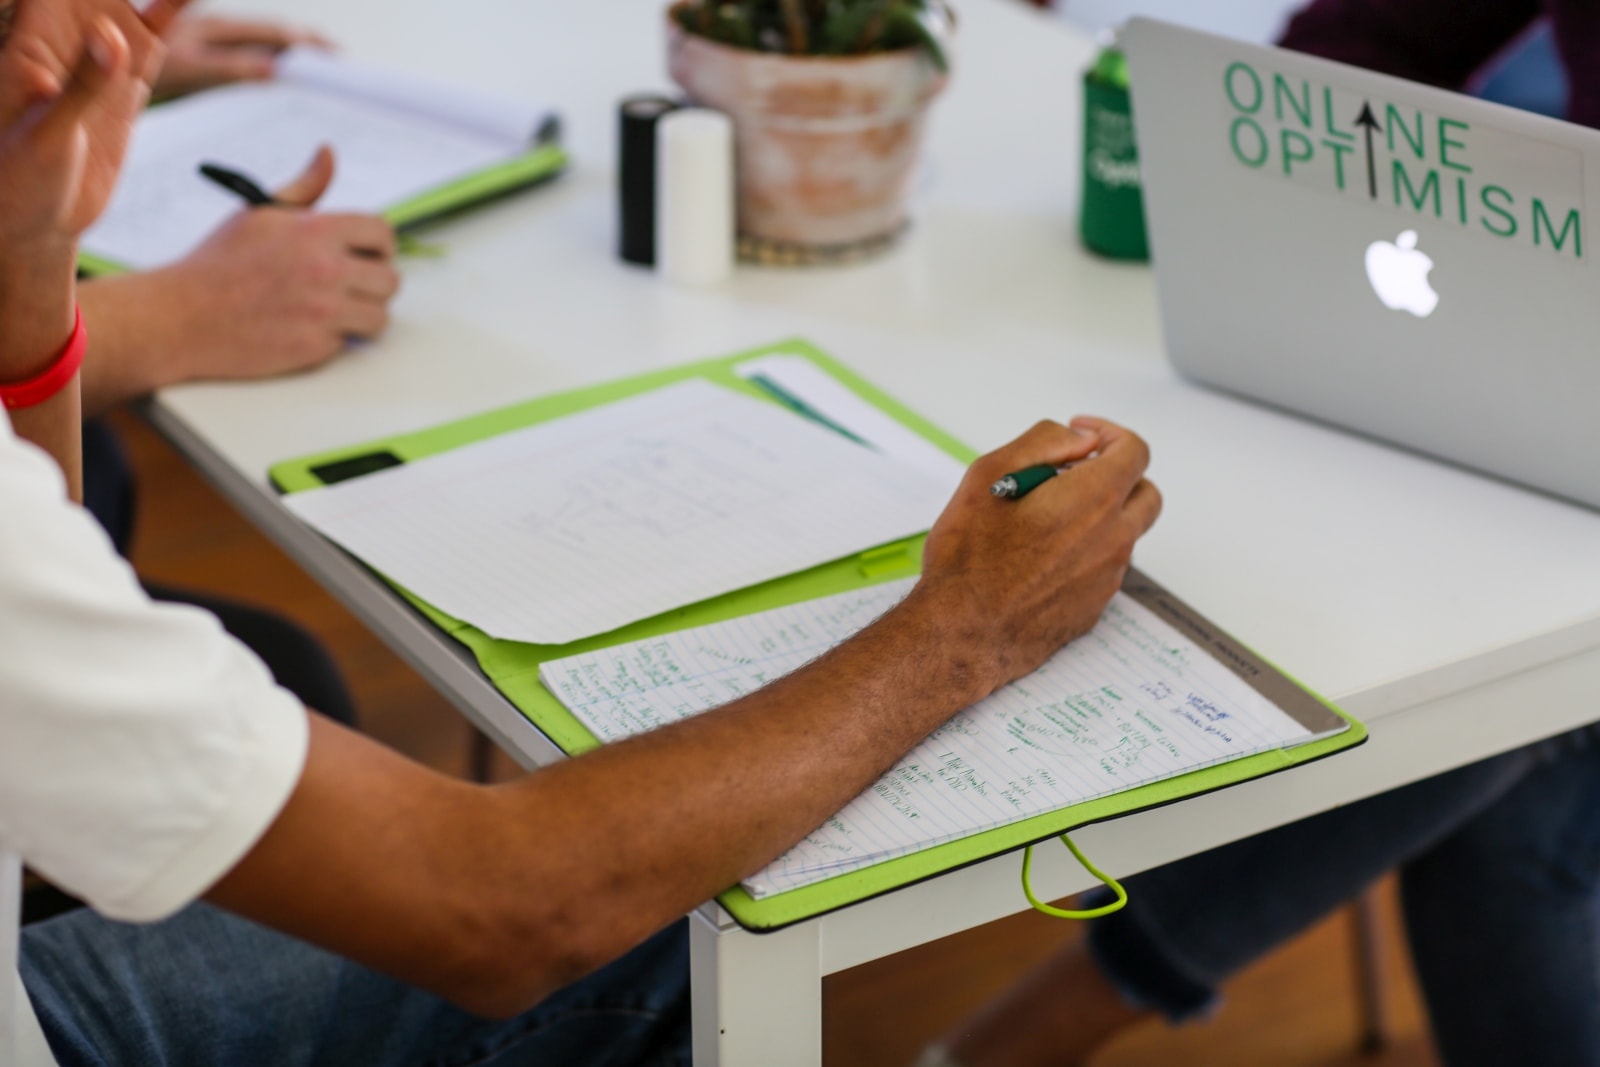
1132 702
575 527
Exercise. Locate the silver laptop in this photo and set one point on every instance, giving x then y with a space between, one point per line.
1408 262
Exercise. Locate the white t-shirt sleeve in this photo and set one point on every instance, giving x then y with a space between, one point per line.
143 750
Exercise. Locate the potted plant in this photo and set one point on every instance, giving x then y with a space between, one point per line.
828 100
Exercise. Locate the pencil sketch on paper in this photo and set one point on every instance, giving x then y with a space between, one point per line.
650 489
577 526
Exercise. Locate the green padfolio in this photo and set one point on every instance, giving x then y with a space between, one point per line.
534 167
514 667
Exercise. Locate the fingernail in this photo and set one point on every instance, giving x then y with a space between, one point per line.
102 43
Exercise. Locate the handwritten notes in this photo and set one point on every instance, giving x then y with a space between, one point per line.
1129 703
577 526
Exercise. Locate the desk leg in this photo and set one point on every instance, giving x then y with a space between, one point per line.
757 997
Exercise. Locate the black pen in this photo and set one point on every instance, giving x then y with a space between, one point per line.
238 184
246 189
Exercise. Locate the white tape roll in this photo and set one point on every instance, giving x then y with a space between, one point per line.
694 197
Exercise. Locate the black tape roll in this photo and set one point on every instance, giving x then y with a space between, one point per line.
636 166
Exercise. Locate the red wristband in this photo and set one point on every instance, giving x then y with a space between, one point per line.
54 378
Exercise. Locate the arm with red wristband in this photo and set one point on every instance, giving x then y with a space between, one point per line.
74 75
54 378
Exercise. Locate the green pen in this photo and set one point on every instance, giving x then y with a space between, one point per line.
1019 484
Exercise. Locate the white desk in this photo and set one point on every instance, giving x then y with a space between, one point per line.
1458 616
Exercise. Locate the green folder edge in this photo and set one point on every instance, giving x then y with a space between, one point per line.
514 667
530 168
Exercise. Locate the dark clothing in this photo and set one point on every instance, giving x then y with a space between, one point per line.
209 987
294 657
108 492
1499 872
1446 42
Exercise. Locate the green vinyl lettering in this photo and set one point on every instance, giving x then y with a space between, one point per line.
1419 200
1541 218
1230 82
1503 210
1242 122
1290 158
1445 144
1339 149
1301 105
1393 118
1327 117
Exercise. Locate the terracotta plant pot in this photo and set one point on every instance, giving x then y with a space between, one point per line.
826 145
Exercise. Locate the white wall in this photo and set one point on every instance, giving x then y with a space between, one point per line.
1251 20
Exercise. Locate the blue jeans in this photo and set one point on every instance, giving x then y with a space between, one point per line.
1500 878
207 987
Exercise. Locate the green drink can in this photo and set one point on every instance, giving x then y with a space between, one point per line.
1111 218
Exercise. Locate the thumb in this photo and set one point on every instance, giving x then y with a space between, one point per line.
308 188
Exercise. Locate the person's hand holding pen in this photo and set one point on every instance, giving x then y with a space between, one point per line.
274 289
1029 575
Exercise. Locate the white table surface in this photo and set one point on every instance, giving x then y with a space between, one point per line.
1458 615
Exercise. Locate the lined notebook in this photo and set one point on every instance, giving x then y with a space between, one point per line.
1132 702
680 662
394 137
580 525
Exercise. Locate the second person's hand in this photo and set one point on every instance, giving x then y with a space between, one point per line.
275 290
272 291
204 52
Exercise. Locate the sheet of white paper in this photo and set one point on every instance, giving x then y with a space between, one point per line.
163 208
584 524
512 121
1132 702
828 396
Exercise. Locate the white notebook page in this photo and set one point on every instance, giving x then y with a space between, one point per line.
837 402
511 121
386 152
580 525
1132 702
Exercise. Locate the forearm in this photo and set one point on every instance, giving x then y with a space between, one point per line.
495 897
36 319
57 427
507 893
138 339
691 810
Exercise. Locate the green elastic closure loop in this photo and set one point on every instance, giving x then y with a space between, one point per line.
886 559
1062 913
407 245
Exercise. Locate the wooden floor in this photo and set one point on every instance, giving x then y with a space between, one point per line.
1297 1008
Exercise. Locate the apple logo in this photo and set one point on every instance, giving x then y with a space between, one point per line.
1399 275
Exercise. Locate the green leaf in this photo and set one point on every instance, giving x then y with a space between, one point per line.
853 28
907 24
822 27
